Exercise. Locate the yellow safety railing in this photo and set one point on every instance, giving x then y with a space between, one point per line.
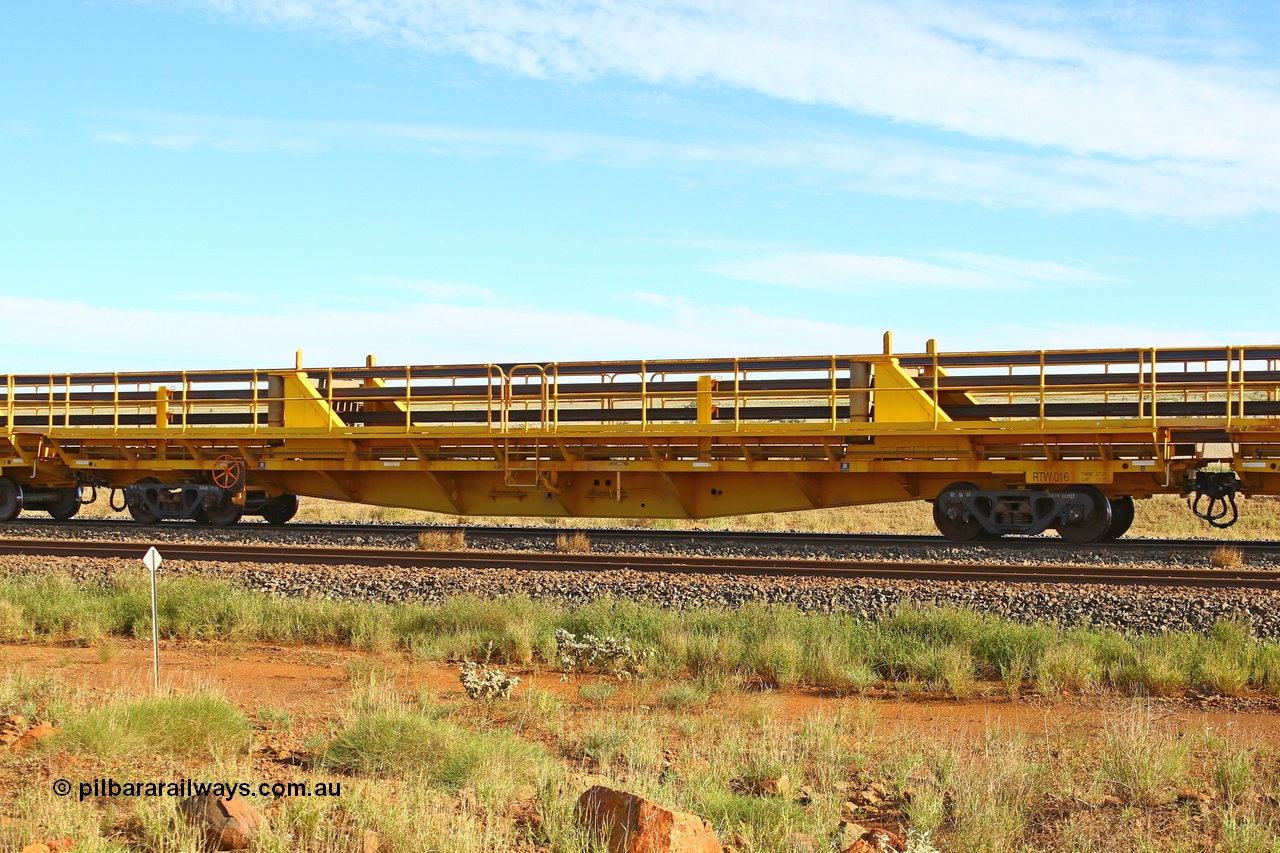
1039 388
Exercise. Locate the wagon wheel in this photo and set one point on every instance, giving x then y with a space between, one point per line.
227 473
1097 521
222 514
139 511
68 504
10 499
279 510
1122 513
958 529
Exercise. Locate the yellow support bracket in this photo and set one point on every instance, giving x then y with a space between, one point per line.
304 408
900 399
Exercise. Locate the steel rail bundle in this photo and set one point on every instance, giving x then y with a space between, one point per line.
1000 442
728 566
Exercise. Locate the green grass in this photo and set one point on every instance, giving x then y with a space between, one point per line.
958 652
199 724
405 744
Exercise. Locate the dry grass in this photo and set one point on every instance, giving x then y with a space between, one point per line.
442 540
577 543
1225 557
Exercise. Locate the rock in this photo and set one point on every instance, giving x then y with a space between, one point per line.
802 842
631 824
370 841
804 796
228 824
878 841
761 786
60 845
739 844
35 848
847 834
36 733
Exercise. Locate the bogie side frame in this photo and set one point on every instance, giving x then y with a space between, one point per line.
1026 432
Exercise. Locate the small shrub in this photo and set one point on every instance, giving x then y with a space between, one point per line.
1224 557
1139 760
614 655
484 684
1066 668
598 693
409 744
578 543
442 540
681 697
168 725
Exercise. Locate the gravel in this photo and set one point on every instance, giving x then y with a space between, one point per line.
890 550
1133 609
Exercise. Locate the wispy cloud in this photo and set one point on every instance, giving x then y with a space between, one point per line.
434 290
847 273
880 165
1083 106
668 327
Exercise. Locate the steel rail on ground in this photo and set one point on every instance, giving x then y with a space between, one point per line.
614 535
726 566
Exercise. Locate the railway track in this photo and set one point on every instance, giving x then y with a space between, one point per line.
649 537
774 566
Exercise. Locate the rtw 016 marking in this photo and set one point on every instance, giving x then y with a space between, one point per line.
1066 477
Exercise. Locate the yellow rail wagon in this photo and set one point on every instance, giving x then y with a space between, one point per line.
1000 442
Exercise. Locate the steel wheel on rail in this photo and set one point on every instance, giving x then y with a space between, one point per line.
224 514
1122 513
958 529
1095 524
280 510
67 506
10 499
142 515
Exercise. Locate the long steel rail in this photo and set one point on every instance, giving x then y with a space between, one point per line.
758 567
650 537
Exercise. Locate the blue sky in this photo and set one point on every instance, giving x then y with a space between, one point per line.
201 183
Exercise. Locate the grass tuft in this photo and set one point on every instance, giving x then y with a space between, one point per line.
577 543
202 724
1226 557
442 540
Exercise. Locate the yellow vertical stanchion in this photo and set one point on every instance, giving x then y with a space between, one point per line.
737 396
408 398
835 418
1230 384
931 347
555 396
1042 388
115 402
253 404
644 396
1155 381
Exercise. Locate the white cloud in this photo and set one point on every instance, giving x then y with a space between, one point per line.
861 163
1009 75
440 333
830 271
435 290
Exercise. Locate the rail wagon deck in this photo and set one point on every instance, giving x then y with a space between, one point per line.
1000 442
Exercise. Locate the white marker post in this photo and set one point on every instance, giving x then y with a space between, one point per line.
152 561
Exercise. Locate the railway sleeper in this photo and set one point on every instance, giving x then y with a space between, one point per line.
964 513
